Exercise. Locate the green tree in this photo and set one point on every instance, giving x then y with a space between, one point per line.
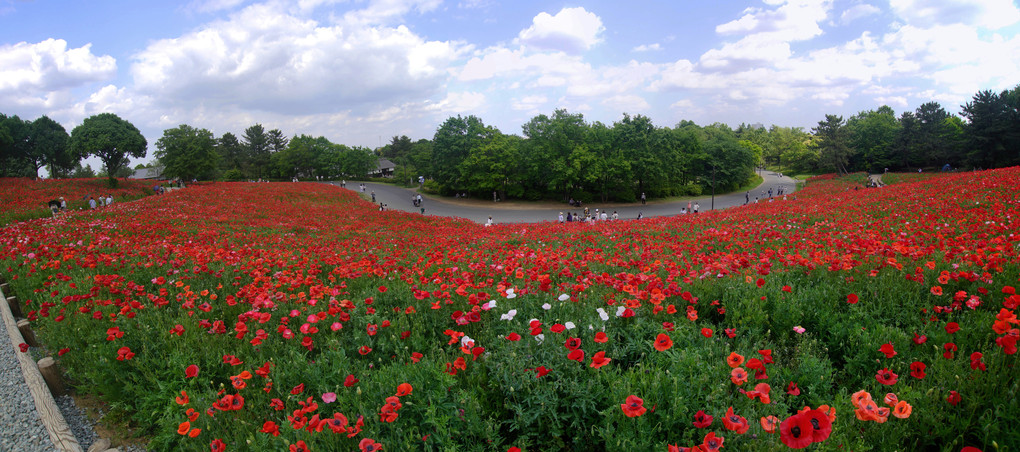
85 172
110 138
834 151
257 150
993 128
492 166
14 147
47 146
452 145
187 153
872 134
635 136
232 155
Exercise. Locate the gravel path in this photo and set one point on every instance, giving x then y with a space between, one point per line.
20 428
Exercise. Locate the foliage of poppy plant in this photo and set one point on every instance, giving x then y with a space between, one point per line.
304 307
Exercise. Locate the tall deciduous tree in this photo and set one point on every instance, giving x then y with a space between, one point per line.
832 143
48 143
872 134
110 138
452 145
187 153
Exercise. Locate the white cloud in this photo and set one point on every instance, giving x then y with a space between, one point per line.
267 60
529 103
381 11
208 6
856 12
648 48
571 30
50 66
992 14
893 101
629 103
500 61
767 34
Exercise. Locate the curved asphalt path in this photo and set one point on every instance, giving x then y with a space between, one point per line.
398 198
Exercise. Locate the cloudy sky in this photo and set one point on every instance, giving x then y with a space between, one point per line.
362 71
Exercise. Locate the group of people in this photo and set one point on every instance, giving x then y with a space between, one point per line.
781 191
103 201
590 217
60 204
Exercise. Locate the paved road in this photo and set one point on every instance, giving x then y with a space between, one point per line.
398 198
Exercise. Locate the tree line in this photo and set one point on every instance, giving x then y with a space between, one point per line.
558 156
563 157
929 137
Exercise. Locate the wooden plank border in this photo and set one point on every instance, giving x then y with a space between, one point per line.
52 419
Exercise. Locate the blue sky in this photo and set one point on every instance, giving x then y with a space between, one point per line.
362 71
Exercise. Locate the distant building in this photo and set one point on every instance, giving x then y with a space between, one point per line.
383 168
155 172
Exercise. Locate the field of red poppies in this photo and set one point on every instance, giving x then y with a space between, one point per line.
240 316
25 199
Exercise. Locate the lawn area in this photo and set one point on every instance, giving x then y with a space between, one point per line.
245 316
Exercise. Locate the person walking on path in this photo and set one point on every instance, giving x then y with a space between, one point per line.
373 195
697 207
643 199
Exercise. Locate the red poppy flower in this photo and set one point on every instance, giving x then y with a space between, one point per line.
796 431
949 348
734 360
299 446
541 371
364 349
404 389
766 356
298 389
792 389
917 369
730 332
712 443
558 328
23 347
975 361
702 420
760 282
576 355
124 354
599 359
738 376
707 332
415 356
668 326
663 342
886 377
952 327
735 422
821 426
787 289
601 337
513 337
902 410
954 398
633 407
572 343
919 339
887 350
191 371
770 423
936 290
